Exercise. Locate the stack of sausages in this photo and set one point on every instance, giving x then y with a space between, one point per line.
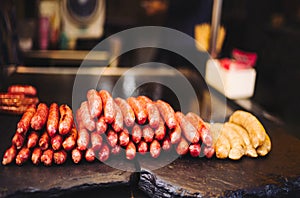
107 126
43 135
18 98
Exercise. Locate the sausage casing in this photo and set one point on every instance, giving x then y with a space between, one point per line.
167 113
70 141
96 141
56 142
33 139
36 155
182 147
76 155
127 112
53 119
136 133
117 124
90 155
130 151
47 157
104 152
66 119
155 149
18 140
139 112
112 138
24 124
189 131
83 139
94 103
124 137
40 117
22 156
142 147
60 157
44 141
85 117
108 106
148 134
9 155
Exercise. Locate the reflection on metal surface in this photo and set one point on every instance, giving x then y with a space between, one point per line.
95 71
68 55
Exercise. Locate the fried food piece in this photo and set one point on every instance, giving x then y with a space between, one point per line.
265 148
255 129
237 143
249 149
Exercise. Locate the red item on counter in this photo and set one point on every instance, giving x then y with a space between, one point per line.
248 58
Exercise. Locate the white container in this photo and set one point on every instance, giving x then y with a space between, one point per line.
233 83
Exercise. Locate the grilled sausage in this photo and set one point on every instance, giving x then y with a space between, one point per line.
76 155
60 157
24 124
9 155
117 124
96 141
155 149
148 134
36 155
47 157
44 141
182 147
22 89
201 127
85 117
160 131
175 134
130 151
136 133
142 147
83 139
53 119
209 152
66 119
101 125
90 155
127 112
104 152
22 156
112 138
139 112
167 113
166 144
94 103
152 111
195 149
70 142
124 137
40 117
18 140
56 142
108 106
189 131
33 139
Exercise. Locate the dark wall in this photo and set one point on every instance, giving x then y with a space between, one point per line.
272 29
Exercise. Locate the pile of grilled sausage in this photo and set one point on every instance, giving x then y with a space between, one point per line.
104 126
18 98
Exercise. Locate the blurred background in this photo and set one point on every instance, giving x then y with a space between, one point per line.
269 28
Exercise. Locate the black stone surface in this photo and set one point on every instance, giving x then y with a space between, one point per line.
276 175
